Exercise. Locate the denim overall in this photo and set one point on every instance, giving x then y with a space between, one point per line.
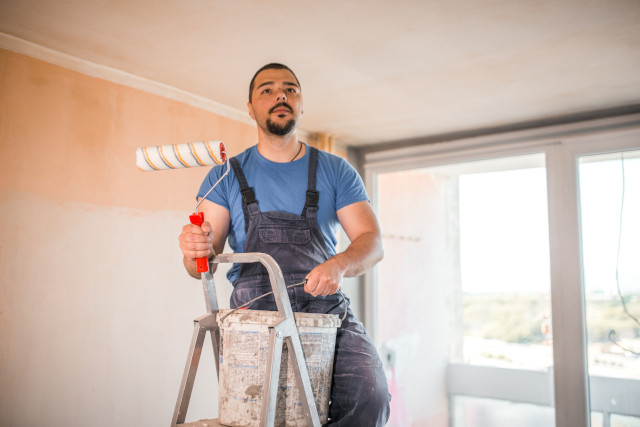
359 390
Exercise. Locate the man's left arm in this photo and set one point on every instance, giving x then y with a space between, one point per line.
361 226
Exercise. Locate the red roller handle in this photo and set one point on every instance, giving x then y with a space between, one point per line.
202 264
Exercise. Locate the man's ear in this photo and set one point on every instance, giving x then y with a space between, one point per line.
250 109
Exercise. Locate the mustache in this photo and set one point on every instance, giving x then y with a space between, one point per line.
281 104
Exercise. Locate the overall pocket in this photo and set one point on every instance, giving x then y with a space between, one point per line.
285 234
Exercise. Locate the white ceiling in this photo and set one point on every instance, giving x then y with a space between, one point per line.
371 71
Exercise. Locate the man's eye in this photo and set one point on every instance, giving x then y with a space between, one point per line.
291 90
266 91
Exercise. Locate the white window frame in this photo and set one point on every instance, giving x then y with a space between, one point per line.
561 145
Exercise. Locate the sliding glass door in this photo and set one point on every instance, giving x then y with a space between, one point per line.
510 289
467 268
610 225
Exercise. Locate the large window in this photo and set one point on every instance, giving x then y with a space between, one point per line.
510 289
467 253
610 224
504 264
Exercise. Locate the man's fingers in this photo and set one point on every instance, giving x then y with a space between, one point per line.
310 286
315 287
191 241
194 251
196 241
197 229
206 228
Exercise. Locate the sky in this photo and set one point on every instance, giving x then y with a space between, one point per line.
504 228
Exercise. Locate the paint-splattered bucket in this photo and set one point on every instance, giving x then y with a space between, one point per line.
244 352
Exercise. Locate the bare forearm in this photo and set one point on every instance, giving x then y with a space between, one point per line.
190 266
362 254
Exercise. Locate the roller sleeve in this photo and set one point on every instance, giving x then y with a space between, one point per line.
179 156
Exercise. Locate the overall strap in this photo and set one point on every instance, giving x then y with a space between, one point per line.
249 202
310 209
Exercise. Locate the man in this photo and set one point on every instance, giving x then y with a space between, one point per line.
287 199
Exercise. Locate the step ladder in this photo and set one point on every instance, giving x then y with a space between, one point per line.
284 332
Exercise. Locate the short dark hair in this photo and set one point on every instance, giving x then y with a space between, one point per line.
271 66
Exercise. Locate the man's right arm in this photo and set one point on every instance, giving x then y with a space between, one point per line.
206 240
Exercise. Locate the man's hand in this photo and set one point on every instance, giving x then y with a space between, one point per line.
325 279
196 241
205 240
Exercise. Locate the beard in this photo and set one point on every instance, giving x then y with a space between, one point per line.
280 130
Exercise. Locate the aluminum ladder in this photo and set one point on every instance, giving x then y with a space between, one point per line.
284 332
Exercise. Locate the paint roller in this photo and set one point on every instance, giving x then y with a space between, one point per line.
178 156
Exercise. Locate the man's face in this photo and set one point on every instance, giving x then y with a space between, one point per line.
276 103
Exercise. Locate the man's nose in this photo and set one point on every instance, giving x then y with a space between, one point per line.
281 96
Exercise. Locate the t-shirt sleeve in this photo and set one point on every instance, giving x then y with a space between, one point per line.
217 196
350 188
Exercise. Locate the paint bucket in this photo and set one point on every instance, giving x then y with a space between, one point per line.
244 351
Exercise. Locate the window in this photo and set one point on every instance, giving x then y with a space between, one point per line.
467 252
610 225
497 295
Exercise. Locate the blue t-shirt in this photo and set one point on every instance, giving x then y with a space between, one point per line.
283 187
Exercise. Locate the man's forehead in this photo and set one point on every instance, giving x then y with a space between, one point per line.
270 76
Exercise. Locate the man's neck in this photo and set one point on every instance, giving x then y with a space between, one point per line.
279 149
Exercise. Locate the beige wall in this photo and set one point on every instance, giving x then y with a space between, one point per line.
419 315
95 309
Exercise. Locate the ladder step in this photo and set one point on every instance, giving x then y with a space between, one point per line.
202 423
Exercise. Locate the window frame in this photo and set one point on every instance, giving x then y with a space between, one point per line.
561 146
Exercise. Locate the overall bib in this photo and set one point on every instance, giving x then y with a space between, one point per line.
359 390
